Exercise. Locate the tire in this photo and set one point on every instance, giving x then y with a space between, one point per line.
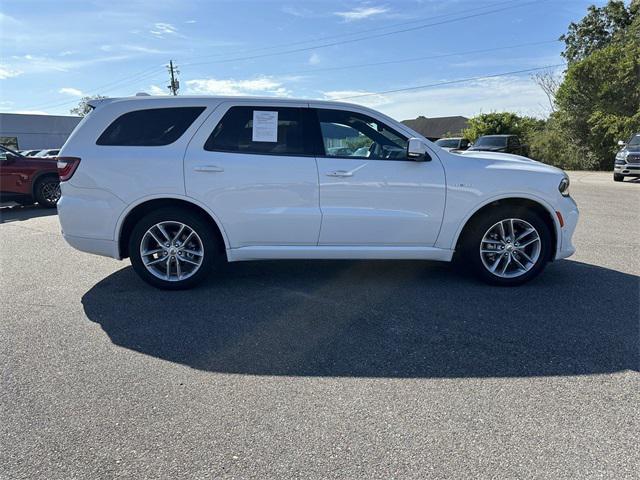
530 254
617 177
181 263
47 191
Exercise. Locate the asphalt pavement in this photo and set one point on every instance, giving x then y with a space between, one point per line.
323 369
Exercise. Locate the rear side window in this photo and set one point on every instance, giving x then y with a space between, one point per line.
149 128
281 131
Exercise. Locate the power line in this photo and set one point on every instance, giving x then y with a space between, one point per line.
75 101
451 82
353 40
350 34
147 72
416 59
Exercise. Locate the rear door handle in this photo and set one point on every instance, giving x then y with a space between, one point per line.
208 168
340 173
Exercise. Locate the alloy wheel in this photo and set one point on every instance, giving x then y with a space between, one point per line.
51 192
510 248
171 251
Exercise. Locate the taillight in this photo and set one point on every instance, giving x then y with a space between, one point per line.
67 167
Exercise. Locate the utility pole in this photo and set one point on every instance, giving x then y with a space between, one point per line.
175 83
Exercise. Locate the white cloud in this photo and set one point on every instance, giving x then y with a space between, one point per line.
314 59
8 72
74 92
258 86
156 90
298 11
360 13
191 21
161 29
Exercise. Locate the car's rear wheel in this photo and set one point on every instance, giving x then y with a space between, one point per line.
507 246
173 248
618 177
47 191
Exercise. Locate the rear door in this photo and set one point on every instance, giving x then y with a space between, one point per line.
252 165
370 193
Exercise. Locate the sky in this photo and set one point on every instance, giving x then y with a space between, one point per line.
472 56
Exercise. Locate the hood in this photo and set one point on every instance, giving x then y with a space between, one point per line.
506 160
631 148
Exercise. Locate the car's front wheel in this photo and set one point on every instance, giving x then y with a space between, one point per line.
618 177
507 246
173 248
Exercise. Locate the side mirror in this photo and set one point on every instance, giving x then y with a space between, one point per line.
417 150
621 143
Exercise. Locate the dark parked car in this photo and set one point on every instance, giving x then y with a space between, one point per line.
28 179
453 143
628 159
500 143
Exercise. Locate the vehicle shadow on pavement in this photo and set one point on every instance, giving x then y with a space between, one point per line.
378 319
20 213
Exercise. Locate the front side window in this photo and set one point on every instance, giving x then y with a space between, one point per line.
149 128
491 141
354 135
262 130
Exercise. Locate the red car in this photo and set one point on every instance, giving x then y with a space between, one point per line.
28 180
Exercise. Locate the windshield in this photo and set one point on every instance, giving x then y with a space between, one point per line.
448 142
491 141
635 140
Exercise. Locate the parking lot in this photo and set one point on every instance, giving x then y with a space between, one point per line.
323 369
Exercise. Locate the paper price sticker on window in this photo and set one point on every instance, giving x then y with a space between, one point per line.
265 126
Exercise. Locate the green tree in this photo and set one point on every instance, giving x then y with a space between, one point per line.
599 100
497 123
598 29
83 107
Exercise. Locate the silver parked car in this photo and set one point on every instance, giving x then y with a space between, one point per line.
627 162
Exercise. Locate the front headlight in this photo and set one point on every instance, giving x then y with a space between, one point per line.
564 187
622 155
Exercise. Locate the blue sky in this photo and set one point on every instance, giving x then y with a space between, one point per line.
53 52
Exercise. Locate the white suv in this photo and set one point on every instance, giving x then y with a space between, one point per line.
179 184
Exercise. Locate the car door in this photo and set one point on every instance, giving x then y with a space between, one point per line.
379 198
13 174
251 165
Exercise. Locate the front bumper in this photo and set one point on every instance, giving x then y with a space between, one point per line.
628 169
570 214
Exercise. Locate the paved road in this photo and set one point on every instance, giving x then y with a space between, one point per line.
323 369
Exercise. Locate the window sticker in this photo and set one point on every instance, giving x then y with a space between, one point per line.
265 126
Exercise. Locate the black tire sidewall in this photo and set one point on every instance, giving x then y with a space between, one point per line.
200 225
38 191
476 231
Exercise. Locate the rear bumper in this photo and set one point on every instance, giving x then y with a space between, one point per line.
106 248
88 218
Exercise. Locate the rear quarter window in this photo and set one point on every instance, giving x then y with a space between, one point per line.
150 127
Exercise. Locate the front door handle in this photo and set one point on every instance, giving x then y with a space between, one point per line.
208 168
340 173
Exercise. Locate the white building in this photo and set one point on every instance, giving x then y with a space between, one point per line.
30 132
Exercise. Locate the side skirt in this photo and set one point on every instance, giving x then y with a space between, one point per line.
338 253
